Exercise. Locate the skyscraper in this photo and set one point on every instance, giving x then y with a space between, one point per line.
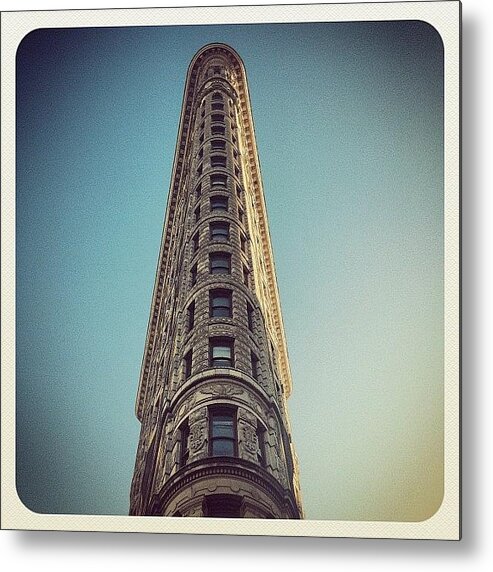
215 437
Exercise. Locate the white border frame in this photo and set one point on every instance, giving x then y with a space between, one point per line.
445 17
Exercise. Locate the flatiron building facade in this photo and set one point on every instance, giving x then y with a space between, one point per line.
215 438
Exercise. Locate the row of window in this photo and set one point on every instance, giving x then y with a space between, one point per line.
218 232
217 161
217 180
218 204
221 354
219 263
220 306
223 437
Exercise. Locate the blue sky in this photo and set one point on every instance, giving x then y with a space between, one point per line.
349 126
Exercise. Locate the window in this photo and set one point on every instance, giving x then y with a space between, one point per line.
217 118
193 274
246 276
202 113
184 450
191 316
222 432
233 138
195 242
197 213
221 352
250 316
218 144
222 506
219 203
198 191
187 364
218 130
217 106
220 263
237 171
201 153
238 190
201 138
235 154
218 180
243 243
217 70
219 231
220 304
216 96
254 361
261 444
241 215
218 161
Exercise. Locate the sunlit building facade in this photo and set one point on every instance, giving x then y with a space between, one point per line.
215 437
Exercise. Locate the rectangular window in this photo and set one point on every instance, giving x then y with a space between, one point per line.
187 364
195 242
220 263
246 276
261 445
219 203
217 118
218 180
201 153
254 360
201 138
191 316
218 144
218 130
217 106
198 191
237 171
250 316
184 436
193 274
218 161
221 352
219 231
238 190
243 243
220 303
197 213
222 432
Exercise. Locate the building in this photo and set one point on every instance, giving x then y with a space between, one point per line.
215 438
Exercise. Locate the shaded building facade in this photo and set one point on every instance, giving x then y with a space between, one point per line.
215 438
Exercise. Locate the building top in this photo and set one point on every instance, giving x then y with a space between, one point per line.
178 176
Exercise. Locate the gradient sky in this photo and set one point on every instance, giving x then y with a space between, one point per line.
349 126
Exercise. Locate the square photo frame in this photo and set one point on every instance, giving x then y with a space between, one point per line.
230 270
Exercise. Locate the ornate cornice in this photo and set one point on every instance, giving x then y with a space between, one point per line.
179 169
224 466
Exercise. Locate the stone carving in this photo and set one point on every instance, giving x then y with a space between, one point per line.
248 440
187 405
222 390
198 433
